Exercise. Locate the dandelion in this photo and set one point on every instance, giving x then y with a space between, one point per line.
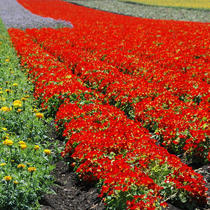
36 147
7 178
21 142
4 129
39 115
17 103
8 142
19 110
21 165
8 90
3 164
23 146
16 182
31 169
15 84
7 60
5 109
47 151
24 99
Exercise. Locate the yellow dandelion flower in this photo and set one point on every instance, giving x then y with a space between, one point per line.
4 129
1 92
16 182
7 60
23 146
8 142
7 178
31 169
39 115
21 165
17 103
47 151
24 99
21 142
7 90
19 110
36 147
15 84
5 109
3 164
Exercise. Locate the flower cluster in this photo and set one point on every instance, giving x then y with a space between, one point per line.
20 161
155 71
104 143
167 92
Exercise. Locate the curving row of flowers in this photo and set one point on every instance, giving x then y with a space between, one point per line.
176 111
156 71
133 171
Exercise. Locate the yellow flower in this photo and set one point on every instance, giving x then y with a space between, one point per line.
47 151
21 142
7 178
1 91
8 90
3 164
36 147
7 60
16 182
5 109
4 129
17 103
21 165
19 110
23 146
23 99
15 84
8 142
39 115
31 169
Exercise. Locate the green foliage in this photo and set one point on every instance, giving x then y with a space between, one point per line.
25 163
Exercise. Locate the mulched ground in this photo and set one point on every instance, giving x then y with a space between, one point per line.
71 193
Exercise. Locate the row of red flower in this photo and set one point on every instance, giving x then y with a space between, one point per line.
105 145
171 110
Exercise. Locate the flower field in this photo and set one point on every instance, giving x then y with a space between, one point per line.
25 160
129 95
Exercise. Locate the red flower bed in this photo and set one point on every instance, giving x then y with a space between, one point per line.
133 171
155 71
173 111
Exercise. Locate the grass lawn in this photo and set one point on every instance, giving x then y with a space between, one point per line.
197 4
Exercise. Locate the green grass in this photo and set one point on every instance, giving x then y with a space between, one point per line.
25 164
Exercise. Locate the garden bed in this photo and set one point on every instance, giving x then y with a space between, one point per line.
84 106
